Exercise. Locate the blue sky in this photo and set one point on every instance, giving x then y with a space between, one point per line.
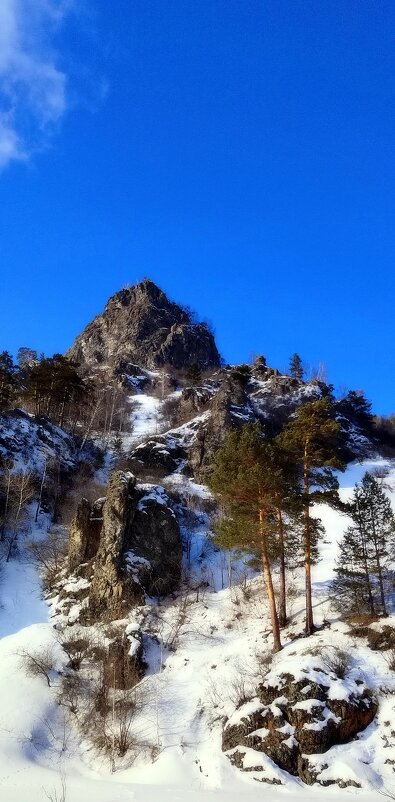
238 152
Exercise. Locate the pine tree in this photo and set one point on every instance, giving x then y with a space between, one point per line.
354 413
311 438
249 479
54 384
296 367
378 520
8 380
365 550
352 588
286 504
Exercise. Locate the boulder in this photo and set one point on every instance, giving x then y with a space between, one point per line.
230 406
124 665
159 455
291 718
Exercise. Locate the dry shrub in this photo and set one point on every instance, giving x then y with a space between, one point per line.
362 619
378 640
77 649
50 553
58 795
124 710
171 411
36 664
264 660
390 658
71 692
338 662
240 690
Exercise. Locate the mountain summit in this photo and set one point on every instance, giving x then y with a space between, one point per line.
140 325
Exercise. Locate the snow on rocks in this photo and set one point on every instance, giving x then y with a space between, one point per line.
31 442
287 726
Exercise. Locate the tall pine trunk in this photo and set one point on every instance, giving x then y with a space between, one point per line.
378 563
365 562
282 604
269 584
307 547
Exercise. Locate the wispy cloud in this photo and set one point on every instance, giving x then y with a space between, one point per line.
33 87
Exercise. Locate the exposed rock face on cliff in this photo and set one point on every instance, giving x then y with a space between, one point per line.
130 544
294 717
140 326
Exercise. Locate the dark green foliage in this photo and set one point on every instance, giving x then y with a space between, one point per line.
249 479
311 439
54 387
294 551
362 573
8 381
256 481
354 412
247 473
241 374
296 367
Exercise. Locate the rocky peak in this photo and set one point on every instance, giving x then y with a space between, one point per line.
140 325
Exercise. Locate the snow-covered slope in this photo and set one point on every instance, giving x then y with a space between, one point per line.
205 648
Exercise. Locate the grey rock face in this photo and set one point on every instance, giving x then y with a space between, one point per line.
133 541
142 327
230 407
113 589
154 535
85 532
124 664
157 456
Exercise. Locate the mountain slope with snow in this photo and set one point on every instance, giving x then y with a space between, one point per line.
205 647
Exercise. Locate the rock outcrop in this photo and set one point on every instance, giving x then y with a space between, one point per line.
113 590
130 544
124 662
293 717
157 457
84 533
141 327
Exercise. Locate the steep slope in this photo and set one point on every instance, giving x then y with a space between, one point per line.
141 327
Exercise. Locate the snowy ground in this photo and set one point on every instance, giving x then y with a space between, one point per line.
189 689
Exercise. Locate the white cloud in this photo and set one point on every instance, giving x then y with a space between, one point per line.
33 97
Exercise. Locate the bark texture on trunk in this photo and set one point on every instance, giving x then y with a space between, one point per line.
307 546
282 605
269 585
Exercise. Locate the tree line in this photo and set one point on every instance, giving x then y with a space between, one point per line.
53 386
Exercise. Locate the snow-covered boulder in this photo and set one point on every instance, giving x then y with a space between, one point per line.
297 715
